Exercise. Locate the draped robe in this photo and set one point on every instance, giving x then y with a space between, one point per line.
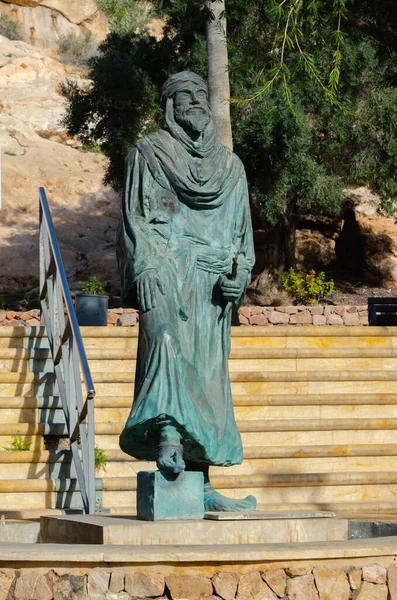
185 216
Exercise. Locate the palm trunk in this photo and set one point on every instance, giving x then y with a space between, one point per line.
218 75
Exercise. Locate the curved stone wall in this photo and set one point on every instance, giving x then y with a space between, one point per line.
248 315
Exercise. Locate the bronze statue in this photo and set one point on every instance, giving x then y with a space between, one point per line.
185 253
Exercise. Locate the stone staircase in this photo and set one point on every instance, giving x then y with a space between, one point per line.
317 409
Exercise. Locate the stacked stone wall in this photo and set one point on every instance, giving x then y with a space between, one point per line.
370 582
248 315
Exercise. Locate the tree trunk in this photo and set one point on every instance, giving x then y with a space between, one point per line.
275 249
218 75
289 229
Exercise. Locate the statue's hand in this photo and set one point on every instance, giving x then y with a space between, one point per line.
232 289
146 284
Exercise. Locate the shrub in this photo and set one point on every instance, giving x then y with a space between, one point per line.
77 49
93 286
10 28
18 443
101 459
306 288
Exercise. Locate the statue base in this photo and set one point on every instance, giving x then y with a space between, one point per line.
163 497
281 527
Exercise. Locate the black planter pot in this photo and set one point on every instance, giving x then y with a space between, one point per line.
91 310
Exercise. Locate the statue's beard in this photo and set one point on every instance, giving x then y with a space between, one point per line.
193 119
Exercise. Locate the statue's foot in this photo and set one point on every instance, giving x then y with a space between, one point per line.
215 502
169 457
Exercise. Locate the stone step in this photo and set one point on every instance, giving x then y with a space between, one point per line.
39 465
127 367
245 426
244 352
265 454
16 502
246 413
271 337
235 377
249 468
30 402
111 420
241 332
255 352
31 429
239 400
382 510
315 495
259 467
236 365
255 383
239 388
221 482
289 452
290 438
298 388
34 504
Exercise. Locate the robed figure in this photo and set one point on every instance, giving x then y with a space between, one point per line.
185 253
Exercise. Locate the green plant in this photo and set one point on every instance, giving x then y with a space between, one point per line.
30 298
10 29
306 288
93 286
126 16
18 443
77 49
101 459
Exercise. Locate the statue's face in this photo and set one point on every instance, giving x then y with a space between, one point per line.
191 109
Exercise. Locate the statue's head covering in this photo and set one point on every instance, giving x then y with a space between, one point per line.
177 81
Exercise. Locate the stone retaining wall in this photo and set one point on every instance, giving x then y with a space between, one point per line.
303 315
371 582
248 315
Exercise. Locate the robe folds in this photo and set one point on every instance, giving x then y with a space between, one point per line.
185 216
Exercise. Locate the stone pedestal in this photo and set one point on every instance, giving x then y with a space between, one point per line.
165 497
260 528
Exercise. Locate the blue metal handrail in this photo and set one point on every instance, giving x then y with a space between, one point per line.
68 353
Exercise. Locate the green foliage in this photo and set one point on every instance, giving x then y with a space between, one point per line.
122 103
18 444
306 288
301 142
10 28
93 286
101 459
30 299
125 16
292 27
77 49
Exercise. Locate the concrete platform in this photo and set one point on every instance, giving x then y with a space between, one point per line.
85 529
19 532
200 560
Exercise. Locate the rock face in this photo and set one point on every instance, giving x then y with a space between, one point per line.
36 152
367 242
314 249
44 21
